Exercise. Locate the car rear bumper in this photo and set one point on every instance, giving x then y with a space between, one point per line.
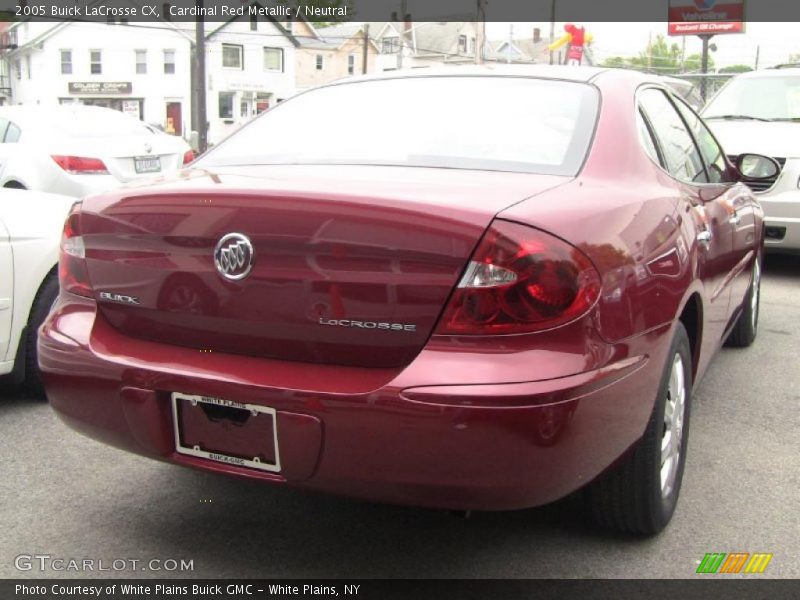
394 436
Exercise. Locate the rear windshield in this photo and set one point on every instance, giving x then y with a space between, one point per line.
483 122
83 123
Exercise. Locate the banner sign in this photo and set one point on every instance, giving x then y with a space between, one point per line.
712 17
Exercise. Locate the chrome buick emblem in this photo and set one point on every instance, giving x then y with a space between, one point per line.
148 148
233 256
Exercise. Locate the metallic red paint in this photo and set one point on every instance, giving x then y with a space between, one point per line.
456 421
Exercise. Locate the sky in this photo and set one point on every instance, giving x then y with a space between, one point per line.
775 41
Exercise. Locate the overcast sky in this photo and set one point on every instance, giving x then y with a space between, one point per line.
776 40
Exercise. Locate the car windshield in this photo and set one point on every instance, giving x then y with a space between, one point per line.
483 122
767 98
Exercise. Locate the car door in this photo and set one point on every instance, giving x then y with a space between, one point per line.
737 199
6 291
706 202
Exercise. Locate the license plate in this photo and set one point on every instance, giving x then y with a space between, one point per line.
244 435
147 164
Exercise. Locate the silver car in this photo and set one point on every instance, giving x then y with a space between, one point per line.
760 112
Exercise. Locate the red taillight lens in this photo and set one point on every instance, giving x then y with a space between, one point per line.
72 274
520 280
188 157
80 165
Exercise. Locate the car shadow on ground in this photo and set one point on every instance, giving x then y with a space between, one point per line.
246 529
783 266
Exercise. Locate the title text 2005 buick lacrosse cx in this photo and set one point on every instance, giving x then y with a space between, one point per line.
499 299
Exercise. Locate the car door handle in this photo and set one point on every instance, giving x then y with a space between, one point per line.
736 218
704 237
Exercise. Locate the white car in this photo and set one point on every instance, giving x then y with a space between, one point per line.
759 112
78 150
30 232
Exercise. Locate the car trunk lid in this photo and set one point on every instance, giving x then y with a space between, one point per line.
350 265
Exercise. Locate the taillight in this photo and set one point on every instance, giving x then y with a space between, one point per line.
188 157
520 280
72 274
81 165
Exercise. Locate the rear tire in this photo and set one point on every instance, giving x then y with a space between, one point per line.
640 494
45 297
744 332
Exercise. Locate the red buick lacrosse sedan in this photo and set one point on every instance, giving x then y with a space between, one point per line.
467 289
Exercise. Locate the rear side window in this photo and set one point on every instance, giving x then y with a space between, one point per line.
646 138
683 159
709 148
12 134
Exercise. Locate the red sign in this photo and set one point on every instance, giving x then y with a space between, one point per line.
693 17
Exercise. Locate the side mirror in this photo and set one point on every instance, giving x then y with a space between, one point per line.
757 167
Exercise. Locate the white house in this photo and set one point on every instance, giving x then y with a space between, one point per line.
145 69
250 66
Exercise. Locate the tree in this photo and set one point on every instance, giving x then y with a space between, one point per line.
615 62
736 69
660 57
694 62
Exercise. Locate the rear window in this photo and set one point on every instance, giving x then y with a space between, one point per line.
490 123
96 123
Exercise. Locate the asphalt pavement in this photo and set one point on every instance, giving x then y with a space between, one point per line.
68 497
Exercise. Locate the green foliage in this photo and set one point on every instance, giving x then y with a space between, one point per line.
660 57
736 69
616 62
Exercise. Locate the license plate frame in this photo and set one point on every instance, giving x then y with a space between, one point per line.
254 409
147 164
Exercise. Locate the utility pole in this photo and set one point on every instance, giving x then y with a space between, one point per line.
510 42
704 66
403 20
200 78
365 49
552 26
481 33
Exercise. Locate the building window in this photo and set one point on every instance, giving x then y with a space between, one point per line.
226 105
141 62
462 43
273 59
244 108
18 68
95 62
66 62
351 64
390 45
169 62
232 56
320 62
472 44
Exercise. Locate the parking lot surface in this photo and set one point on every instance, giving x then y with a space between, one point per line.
68 497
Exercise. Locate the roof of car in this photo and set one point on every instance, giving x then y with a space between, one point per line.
777 71
579 74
